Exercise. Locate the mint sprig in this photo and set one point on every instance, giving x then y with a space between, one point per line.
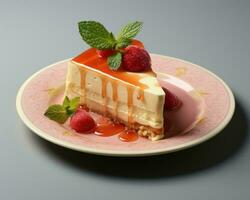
115 60
130 30
73 105
57 113
66 102
60 113
123 42
97 36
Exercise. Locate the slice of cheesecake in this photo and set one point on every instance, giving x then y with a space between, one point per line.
135 99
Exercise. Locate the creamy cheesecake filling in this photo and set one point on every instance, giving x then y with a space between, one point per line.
135 99
121 100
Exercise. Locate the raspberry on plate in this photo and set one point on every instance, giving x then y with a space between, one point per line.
172 102
82 122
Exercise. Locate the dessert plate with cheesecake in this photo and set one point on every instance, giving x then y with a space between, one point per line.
117 99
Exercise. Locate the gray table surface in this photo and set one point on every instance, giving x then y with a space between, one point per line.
214 34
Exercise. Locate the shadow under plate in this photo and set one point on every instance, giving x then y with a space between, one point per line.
198 158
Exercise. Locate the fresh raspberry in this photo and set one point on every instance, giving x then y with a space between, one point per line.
105 53
136 59
82 122
172 102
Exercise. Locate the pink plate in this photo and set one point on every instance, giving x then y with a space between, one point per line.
46 86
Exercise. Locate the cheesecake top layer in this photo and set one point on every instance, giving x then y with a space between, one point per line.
90 58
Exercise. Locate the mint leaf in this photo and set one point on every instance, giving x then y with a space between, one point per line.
66 102
130 30
112 37
96 35
73 104
57 113
123 42
60 113
115 61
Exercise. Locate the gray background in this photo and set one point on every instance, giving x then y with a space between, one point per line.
214 34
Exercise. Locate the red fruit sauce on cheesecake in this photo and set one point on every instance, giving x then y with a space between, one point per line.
91 58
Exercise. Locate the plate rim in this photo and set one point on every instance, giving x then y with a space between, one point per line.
84 149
